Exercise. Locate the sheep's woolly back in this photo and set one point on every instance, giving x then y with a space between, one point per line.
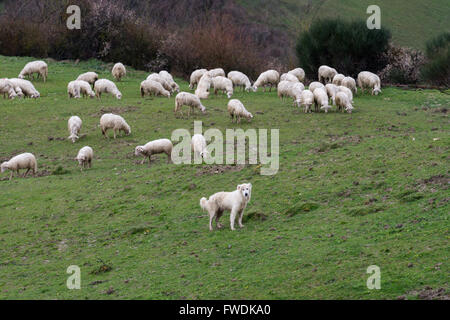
114 121
195 77
89 77
188 99
288 77
153 87
337 79
267 77
203 86
74 125
239 79
106 86
350 83
343 102
21 161
119 71
198 144
236 108
306 100
222 83
155 147
369 80
314 85
7 87
299 73
39 67
326 74
321 98
347 91
216 72
26 86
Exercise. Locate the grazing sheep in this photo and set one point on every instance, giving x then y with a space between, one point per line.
156 77
269 77
235 202
290 89
347 91
337 79
288 77
188 99
152 87
216 72
283 88
106 86
84 157
21 161
299 73
239 79
326 74
343 102
314 85
195 77
7 88
39 67
223 84
89 77
237 109
203 86
27 88
79 87
198 145
74 126
155 147
321 99
168 77
73 90
119 71
350 83
306 99
115 122
369 80
331 91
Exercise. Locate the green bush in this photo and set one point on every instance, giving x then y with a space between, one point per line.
350 47
437 68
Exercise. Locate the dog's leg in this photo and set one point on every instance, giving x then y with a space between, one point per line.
233 218
241 214
218 215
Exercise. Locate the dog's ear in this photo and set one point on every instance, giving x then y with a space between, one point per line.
239 187
250 186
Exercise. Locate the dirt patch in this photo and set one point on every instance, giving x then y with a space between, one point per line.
217 169
301 207
439 180
115 110
255 216
429 293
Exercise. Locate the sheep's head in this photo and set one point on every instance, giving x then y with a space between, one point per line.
21 76
376 91
249 116
202 109
204 154
73 137
81 159
127 129
36 95
118 96
92 95
325 107
349 108
139 150
4 166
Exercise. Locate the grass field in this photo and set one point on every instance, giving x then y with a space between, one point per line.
370 188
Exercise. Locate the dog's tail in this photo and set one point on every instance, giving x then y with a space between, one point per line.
204 203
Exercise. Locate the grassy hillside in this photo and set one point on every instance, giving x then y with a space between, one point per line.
412 22
352 191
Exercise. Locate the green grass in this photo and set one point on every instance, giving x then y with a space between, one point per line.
412 22
352 191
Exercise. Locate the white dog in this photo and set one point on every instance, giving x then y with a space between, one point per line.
235 202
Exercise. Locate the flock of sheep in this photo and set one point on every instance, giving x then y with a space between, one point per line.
331 86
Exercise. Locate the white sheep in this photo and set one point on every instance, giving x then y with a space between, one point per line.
89 77
299 73
223 84
237 111
84 157
155 147
106 86
321 99
283 88
331 91
168 77
369 80
79 87
7 88
39 67
195 77
350 83
306 100
152 87
21 161
74 126
288 77
326 74
156 77
239 79
269 77
26 87
203 86
347 91
216 72
73 90
198 145
115 122
337 79
343 102
188 99
290 89
119 71
314 85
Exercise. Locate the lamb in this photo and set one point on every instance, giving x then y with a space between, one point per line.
74 126
237 109
21 161
235 202
343 102
106 86
347 91
115 122
269 77
331 91
321 99
223 84
155 147
156 77
89 77
39 67
216 72
314 85
299 73
152 87
198 145
195 77
326 74
168 77
239 79
7 88
369 80
188 99
26 87
306 99
350 83
288 77
203 86
84 157
337 79
119 71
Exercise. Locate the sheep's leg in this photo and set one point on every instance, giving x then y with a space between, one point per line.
149 160
114 133
28 170
11 175
169 158
232 218
241 214
211 217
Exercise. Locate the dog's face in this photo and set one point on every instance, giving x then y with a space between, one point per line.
246 190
